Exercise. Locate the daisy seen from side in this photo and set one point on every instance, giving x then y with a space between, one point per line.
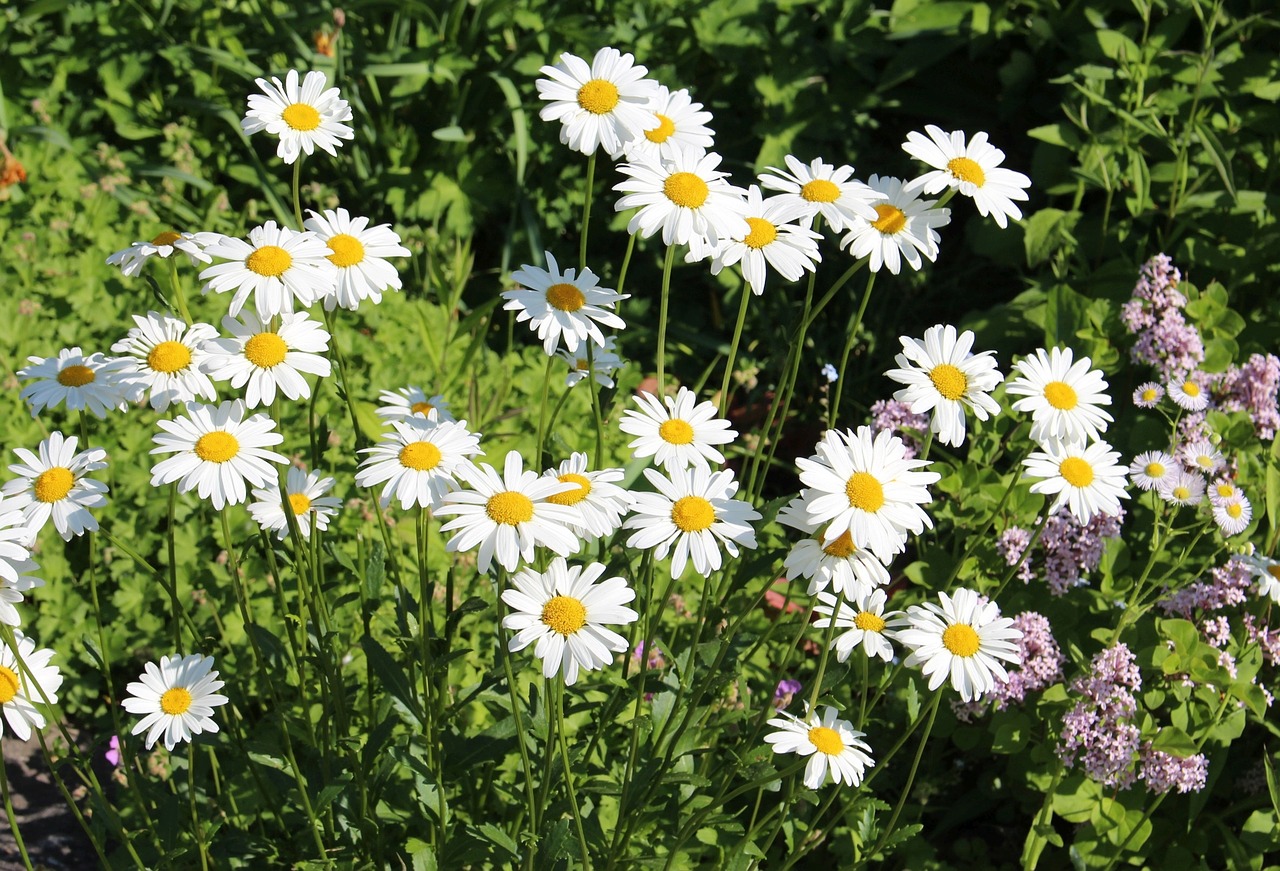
599 501
305 494
166 357
82 382
28 684
774 242
305 115
905 228
961 638
280 268
850 571
411 401
601 104
1064 397
53 483
602 362
681 123
175 699
418 461
359 254
831 744
131 259
1086 478
863 620
562 304
822 189
1150 469
1267 571
680 433
263 360
944 377
972 168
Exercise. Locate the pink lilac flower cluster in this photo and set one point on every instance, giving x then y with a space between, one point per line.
1267 639
1098 733
1162 772
1041 667
898 419
1011 545
1072 548
1227 586
1252 388
1154 313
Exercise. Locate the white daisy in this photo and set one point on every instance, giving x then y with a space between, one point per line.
823 189
1086 478
303 116
679 435
263 360
905 227
599 501
964 638
10 596
406 402
690 516
130 259
1267 571
944 376
305 492
166 358
93 383
280 267
850 571
359 253
563 610
1182 487
28 683
565 304
681 123
1148 395
603 362
55 485
15 548
1201 456
1233 516
1150 469
791 250
418 461
216 451
829 742
1189 393
974 170
508 515
1223 490
604 104
175 699
1063 397
864 621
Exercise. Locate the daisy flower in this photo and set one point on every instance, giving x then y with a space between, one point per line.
1234 515
829 742
1148 395
847 569
1189 394
216 451
406 402
508 515
563 611
26 680
599 501
15 550
604 104
687 198
1064 398
130 259
1223 490
54 484
973 169
1267 571
175 699
679 435
278 266
603 362
359 253
565 304
1150 469
417 461
1182 487
905 227
862 483
166 358
963 638
1087 479
10 596
791 250
93 383
944 376
864 621
681 123
263 360
303 116
1201 456
690 516
305 493
823 189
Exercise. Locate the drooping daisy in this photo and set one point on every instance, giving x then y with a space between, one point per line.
263 360
216 451
864 621
905 227
1182 488
1234 515
681 124
175 699
92 382
1087 479
604 104
564 304
790 249
1148 395
131 259
10 597
600 502
864 484
690 516
54 484
974 170
679 435
1201 456
28 683
1267 571
830 743
508 515
1150 469
687 198
944 376
412 401
303 116
280 267
603 362
167 357
823 189
15 550
1064 398
359 253
1189 394
417 462
305 494
846 568
563 610
962 639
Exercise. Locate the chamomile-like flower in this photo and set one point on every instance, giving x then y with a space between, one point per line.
281 268
1182 488
1064 398
89 382
15 547
603 362
846 568
944 376
359 253
564 304
1150 469
263 360
131 259
412 401
1223 490
599 501
418 461
973 169
822 189
53 484
789 249
681 124
863 620
304 115
905 228
27 684
1267 571
1201 456
1188 393
1234 515
167 357
687 198
305 493
679 435
604 104
830 743
962 638
1148 395
1087 479
175 699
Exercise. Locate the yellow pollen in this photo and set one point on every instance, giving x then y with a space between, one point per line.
820 191
420 456
662 132
421 407
1225 490
1181 492
842 548
265 350
968 170
1061 395
1077 472
269 260
168 237
762 233
564 615
676 432
169 357
598 96
685 190
889 220
347 250
864 492
54 484
565 297
509 508
1191 388
961 639
75 376
572 497
217 446
299 503
300 116
1204 461
692 514
1274 571
9 685
868 622
1150 394
1235 510
949 381
1154 470
827 741
176 701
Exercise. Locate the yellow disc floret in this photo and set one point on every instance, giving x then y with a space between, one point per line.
966 169
169 357
572 497
509 508
1076 471
864 492
762 233
9 685
347 250
176 701
420 456
565 297
949 381
564 615
692 514
598 96
676 432
1061 395
961 639
217 446
168 237
301 116
685 190
889 219
827 741
53 485
270 261
842 548
75 376
300 503
265 350
662 132
820 191
868 622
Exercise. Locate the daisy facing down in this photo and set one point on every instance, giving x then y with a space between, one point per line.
175 699
830 743
962 639
131 259
564 304
944 376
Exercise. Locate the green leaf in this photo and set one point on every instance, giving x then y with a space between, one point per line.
1174 741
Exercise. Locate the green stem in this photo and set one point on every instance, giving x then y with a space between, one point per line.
13 818
297 196
521 743
542 414
170 536
828 636
586 213
733 351
178 296
568 771
196 829
662 319
595 404
911 778
851 334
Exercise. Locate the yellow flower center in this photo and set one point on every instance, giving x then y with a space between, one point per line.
1076 471
820 191
301 116
269 260
1154 470
868 622
421 407
168 237
1274 570
676 432
1150 394
864 492
572 497
217 446
949 381
1225 490
1191 388
968 170
169 357
565 297
299 503
564 615
960 639
842 548
176 701
662 132
54 484
889 220
762 233
265 350
420 456
827 741
9 685
598 96
1235 510
685 190
692 514
509 507
1182 492
75 376
1204 461
347 250
1061 395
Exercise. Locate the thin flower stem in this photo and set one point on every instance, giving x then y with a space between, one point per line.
586 212
827 638
178 296
911 778
622 273
1026 551
170 536
733 350
196 829
297 188
595 404
14 828
516 709
662 319
851 335
568 771
817 833
542 413
113 818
